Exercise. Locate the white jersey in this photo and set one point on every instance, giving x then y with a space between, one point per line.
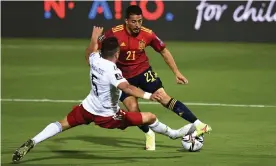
104 96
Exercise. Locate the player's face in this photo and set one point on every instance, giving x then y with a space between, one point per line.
134 23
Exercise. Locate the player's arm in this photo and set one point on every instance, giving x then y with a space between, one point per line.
96 33
160 47
95 43
168 58
121 83
133 91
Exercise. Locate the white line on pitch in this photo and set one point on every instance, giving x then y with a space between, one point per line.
44 47
141 102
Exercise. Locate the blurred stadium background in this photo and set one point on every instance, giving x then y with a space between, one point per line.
226 49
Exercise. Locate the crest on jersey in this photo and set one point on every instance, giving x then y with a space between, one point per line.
118 76
142 44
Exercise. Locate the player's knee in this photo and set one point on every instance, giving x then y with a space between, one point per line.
148 117
64 124
165 98
152 117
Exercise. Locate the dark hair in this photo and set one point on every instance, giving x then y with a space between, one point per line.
109 47
133 10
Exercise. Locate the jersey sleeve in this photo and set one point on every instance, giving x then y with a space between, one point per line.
93 56
107 34
116 77
157 44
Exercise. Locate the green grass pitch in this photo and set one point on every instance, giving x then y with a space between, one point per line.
228 73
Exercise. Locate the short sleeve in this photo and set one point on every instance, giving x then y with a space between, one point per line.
157 44
93 56
116 77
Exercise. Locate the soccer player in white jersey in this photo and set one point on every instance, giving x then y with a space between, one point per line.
101 104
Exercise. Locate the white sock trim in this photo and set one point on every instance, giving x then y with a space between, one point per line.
154 124
59 126
49 131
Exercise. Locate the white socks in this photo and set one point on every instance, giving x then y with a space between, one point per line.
49 131
161 128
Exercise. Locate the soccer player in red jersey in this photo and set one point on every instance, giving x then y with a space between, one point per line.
134 64
101 106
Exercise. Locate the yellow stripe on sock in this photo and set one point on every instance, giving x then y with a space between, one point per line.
171 106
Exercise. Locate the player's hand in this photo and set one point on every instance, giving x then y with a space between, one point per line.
156 96
97 32
180 79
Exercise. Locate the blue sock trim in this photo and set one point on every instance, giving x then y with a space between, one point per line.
181 110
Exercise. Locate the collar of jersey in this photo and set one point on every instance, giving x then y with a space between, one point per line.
109 61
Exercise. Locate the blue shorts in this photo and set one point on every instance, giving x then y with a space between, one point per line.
148 81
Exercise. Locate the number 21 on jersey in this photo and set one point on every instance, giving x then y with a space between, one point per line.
130 56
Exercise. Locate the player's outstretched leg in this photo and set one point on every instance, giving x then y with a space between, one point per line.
132 106
163 129
184 112
49 131
136 118
180 109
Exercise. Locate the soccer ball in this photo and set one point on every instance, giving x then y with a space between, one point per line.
192 144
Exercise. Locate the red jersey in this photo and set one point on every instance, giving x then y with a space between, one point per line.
133 59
